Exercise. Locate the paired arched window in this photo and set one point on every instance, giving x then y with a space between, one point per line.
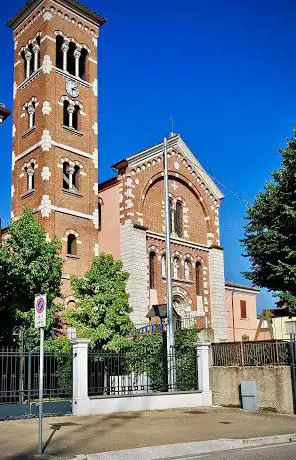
71 57
152 270
198 278
71 176
31 57
71 115
71 245
30 173
31 112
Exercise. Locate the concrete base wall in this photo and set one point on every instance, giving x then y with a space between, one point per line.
273 384
150 402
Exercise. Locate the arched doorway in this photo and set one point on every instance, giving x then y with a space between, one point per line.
183 308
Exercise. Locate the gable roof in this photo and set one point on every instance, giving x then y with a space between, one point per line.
30 5
176 141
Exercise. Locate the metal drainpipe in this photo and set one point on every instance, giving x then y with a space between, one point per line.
232 307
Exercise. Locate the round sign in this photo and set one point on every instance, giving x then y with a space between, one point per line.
40 305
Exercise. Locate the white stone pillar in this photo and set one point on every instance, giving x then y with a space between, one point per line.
71 109
36 50
31 111
203 371
77 54
65 49
30 172
81 401
70 172
28 57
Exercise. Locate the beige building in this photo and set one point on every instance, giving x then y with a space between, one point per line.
276 324
241 312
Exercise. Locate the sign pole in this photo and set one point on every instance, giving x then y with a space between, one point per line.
41 364
40 323
170 315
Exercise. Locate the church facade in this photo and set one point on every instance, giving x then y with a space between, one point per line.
55 172
132 211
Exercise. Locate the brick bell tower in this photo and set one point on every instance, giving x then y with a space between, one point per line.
55 130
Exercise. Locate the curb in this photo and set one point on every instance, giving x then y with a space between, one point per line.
174 451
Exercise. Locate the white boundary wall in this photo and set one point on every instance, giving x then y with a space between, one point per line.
146 402
83 405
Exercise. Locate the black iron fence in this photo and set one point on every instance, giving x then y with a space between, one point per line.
261 353
141 372
19 380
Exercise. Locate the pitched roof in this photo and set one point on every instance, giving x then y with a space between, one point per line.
30 5
241 286
173 141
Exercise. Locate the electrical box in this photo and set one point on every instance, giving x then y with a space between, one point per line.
249 395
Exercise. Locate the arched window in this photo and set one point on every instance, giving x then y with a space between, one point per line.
179 219
188 270
171 216
163 266
198 278
75 124
152 269
66 113
75 178
71 58
82 64
59 52
66 167
176 268
71 245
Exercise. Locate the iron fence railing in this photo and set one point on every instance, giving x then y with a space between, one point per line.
261 353
133 372
19 376
190 322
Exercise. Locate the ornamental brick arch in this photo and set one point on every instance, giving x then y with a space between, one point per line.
180 178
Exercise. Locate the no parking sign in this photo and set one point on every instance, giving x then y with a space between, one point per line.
40 311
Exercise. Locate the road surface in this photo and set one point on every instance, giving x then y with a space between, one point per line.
272 452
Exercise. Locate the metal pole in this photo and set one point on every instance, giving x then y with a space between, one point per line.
170 319
41 362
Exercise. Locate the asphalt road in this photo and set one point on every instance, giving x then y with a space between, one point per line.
272 452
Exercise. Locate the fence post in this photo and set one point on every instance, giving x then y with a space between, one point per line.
81 401
203 371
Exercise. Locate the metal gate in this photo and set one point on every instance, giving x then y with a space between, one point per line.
293 368
19 383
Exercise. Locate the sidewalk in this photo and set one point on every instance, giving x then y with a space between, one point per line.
67 437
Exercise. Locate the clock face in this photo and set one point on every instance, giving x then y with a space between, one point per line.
72 88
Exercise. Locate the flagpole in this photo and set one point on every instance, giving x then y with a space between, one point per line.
170 319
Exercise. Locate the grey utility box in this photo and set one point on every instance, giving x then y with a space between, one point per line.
249 395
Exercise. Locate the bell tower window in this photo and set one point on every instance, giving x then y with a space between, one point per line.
71 115
30 172
71 245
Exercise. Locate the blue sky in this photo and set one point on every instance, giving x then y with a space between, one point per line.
224 69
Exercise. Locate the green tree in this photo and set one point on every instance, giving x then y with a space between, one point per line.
270 235
30 264
102 307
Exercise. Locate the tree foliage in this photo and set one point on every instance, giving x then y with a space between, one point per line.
102 307
30 264
270 235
